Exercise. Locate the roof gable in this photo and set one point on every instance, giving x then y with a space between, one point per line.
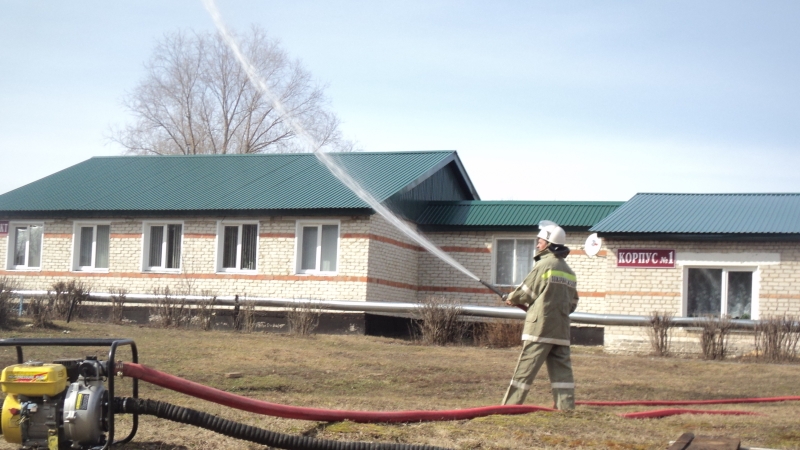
731 214
223 182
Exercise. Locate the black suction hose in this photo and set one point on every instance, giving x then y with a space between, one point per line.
246 432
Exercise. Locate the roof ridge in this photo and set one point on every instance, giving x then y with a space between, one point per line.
397 152
531 202
718 193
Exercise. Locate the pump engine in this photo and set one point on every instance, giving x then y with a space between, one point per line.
55 406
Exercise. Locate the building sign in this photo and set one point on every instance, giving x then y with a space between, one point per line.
3 227
642 257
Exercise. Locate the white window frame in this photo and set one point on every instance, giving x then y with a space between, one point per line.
298 251
146 230
743 261
753 270
495 239
220 247
12 247
76 246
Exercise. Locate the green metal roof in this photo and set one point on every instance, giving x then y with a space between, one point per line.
705 214
224 182
487 214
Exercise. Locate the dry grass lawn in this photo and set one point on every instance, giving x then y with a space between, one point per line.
369 373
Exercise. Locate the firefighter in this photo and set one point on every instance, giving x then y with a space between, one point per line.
549 291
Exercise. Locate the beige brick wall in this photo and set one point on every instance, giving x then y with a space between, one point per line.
377 262
637 291
275 275
474 250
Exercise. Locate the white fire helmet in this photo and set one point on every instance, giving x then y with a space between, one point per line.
552 233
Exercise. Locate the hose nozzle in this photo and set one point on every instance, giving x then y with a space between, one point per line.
493 289
501 294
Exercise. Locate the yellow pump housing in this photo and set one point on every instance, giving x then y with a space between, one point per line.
34 379
9 421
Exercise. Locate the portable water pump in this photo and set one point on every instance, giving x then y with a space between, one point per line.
49 404
64 404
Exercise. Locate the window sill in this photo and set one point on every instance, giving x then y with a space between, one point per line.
25 269
318 274
236 272
90 270
169 271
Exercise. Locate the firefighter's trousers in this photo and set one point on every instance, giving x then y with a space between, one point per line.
559 368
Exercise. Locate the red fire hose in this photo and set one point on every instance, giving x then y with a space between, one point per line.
325 415
722 401
657 414
321 415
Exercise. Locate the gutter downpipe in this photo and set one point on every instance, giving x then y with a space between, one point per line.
405 308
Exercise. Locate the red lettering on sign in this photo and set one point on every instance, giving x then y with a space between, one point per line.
656 259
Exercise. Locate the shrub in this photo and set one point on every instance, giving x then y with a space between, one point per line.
660 332
7 318
204 311
41 313
776 338
65 299
247 317
170 310
117 305
714 336
437 321
499 333
303 318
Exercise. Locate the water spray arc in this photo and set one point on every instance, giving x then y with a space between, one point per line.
260 83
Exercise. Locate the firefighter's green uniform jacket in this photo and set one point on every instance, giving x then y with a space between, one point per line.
550 293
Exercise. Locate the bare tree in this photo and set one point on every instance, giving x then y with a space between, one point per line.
197 99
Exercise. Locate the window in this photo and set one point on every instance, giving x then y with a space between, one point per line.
513 260
719 291
238 247
162 246
91 246
25 250
318 247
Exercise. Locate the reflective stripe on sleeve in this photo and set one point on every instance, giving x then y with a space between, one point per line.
525 289
518 385
562 385
559 277
545 340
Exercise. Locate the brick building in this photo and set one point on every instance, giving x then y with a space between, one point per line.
282 226
278 226
700 254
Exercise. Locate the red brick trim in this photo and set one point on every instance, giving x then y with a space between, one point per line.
277 235
385 240
394 284
199 235
462 290
407 246
583 252
467 249
126 235
591 294
781 296
643 294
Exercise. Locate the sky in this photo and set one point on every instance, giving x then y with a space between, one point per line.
557 100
